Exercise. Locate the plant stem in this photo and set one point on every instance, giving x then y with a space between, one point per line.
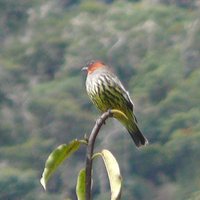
90 150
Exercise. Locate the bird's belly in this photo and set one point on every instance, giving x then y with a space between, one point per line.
104 96
104 101
101 102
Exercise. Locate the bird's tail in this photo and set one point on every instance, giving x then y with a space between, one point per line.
137 136
131 125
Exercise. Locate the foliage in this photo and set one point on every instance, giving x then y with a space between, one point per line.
84 181
56 158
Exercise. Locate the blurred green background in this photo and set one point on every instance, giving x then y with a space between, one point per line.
154 48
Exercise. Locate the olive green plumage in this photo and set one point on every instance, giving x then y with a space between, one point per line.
106 92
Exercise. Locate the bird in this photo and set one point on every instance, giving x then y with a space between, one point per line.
106 92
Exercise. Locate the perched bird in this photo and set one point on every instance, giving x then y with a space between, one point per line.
107 92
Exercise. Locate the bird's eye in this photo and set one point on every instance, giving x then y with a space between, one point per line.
90 63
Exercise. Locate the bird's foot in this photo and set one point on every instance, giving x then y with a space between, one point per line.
110 112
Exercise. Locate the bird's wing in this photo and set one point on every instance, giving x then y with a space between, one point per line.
129 102
125 93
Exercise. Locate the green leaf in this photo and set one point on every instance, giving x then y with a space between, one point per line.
114 175
56 158
80 186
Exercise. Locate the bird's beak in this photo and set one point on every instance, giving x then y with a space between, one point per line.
84 69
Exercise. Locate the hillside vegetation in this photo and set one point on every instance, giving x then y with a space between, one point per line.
153 46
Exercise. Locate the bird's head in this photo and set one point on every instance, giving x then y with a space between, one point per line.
91 66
